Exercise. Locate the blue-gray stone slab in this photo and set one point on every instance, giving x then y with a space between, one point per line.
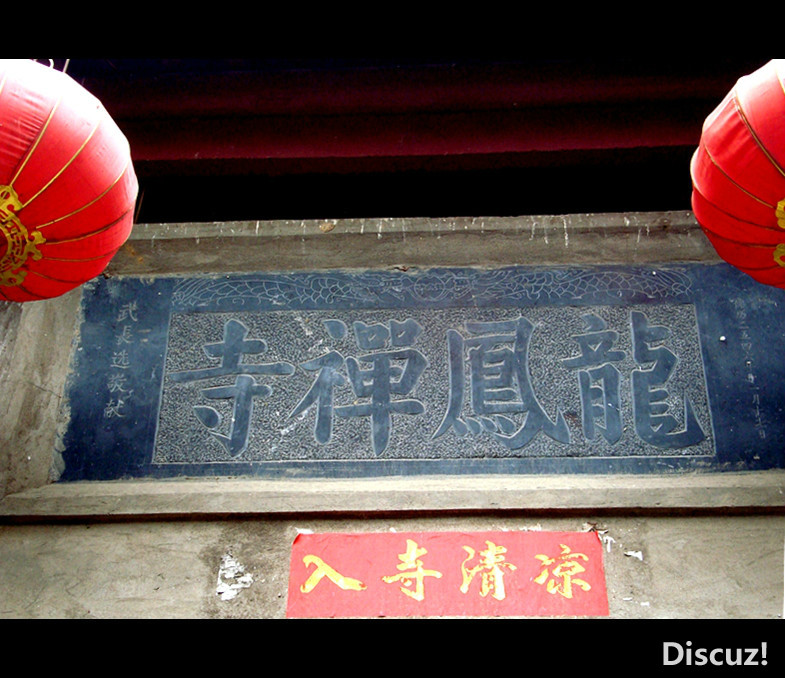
614 369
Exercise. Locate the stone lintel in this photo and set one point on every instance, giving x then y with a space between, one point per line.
199 498
254 246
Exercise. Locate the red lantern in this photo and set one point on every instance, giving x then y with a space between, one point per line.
67 184
738 175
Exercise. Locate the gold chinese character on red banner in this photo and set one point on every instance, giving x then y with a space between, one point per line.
491 568
445 574
412 571
324 570
561 578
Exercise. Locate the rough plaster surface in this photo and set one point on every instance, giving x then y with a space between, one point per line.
36 349
657 568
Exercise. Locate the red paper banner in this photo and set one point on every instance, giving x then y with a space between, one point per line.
446 574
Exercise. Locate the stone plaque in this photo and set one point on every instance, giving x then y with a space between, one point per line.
514 370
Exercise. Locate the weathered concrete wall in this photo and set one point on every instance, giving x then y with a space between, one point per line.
677 546
656 567
34 353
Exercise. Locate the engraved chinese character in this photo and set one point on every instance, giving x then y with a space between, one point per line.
114 408
230 354
599 381
653 423
127 311
121 360
412 572
117 383
559 572
323 570
126 336
500 385
242 392
378 382
491 568
321 392
389 373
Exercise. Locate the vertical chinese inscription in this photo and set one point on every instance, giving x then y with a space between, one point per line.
118 385
751 387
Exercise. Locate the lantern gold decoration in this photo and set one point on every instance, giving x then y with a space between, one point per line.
67 183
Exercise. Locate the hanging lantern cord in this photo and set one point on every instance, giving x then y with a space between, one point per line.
65 66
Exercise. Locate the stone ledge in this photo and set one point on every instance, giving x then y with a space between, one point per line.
762 491
253 246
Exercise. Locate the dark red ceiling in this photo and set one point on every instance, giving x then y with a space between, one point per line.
216 139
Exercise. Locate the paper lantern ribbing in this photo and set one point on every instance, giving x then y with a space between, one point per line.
738 175
67 183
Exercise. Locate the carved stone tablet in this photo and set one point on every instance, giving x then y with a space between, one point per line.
514 370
